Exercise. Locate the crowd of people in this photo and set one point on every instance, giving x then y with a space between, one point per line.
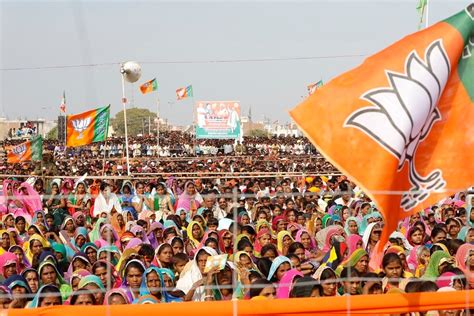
177 154
91 242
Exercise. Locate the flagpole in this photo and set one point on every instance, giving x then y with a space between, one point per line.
157 126
124 103
427 12
105 153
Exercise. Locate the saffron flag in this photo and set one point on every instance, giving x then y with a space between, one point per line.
87 127
400 124
183 93
314 86
62 107
149 86
31 150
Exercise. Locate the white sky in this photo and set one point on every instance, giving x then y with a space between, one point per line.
64 33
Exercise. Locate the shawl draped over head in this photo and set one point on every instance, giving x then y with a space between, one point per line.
189 231
257 245
27 245
286 284
348 221
432 271
36 300
462 256
192 274
278 261
118 291
185 200
280 236
324 236
7 259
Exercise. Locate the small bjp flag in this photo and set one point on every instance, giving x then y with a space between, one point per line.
31 150
149 86
87 127
400 124
183 93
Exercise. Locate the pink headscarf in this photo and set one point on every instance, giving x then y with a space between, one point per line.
332 231
286 283
184 200
31 200
352 241
6 259
462 255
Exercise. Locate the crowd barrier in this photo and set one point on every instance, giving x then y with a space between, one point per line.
384 304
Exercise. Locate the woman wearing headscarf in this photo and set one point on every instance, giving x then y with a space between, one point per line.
167 278
116 297
151 283
34 246
465 262
95 232
190 199
264 237
132 275
19 290
23 262
108 237
286 284
195 233
39 218
7 241
155 234
140 233
76 277
8 265
56 204
118 223
225 242
109 253
358 260
432 270
79 200
304 237
107 274
90 249
93 284
47 295
49 275
284 240
79 261
190 278
30 198
371 237
279 267
351 226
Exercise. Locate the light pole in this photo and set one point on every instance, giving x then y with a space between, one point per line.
131 72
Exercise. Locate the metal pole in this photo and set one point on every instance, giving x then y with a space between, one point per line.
157 126
427 12
124 102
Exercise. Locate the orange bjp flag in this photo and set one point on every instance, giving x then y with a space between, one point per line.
87 127
401 124
31 150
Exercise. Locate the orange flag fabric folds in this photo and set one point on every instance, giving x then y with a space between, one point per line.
87 127
400 124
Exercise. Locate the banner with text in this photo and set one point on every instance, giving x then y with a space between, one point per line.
218 120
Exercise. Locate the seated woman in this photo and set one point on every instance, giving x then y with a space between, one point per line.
47 295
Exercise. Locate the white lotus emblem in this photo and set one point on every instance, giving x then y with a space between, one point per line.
19 150
81 125
403 114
